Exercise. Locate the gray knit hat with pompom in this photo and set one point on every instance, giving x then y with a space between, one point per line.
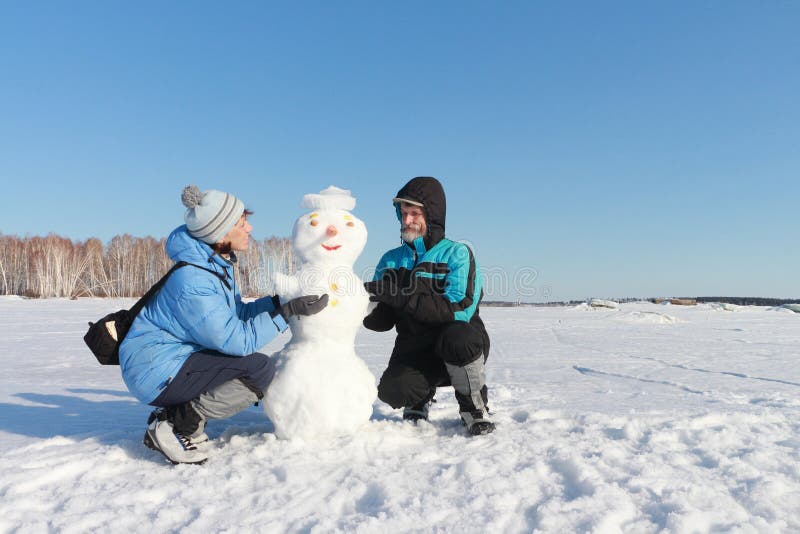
210 214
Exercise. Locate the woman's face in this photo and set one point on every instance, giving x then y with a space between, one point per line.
239 235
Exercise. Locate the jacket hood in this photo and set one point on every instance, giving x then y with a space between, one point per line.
429 192
183 247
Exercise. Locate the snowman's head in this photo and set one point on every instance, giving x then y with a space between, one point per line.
329 233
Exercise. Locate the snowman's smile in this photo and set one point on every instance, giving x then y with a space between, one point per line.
335 247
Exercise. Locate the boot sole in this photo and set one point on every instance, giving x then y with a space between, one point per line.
482 432
150 444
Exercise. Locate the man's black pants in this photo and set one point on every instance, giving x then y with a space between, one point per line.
417 366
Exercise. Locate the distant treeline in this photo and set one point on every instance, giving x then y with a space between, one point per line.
740 301
553 304
55 266
748 301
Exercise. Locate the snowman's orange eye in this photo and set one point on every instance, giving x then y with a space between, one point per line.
314 222
351 223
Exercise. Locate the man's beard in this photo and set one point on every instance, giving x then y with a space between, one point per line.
409 234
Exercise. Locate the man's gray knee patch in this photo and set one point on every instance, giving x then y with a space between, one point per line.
468 380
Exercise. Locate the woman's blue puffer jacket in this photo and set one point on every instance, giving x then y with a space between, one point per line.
194 311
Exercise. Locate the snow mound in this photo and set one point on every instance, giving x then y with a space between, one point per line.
722 306
646 317
780 309
597 305
793 307
602 303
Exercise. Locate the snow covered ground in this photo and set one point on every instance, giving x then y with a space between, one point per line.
644 419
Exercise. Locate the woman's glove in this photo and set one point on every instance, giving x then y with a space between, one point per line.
305 305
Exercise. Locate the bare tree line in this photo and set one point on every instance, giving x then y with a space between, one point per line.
55 266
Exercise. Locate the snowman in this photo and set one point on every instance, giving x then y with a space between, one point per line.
321 387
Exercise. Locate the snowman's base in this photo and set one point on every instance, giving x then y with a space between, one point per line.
318 392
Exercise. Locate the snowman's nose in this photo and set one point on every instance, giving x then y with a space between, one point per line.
331 230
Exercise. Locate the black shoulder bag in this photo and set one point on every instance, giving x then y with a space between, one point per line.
105 336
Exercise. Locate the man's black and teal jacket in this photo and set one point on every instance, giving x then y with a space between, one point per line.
442 284
439 278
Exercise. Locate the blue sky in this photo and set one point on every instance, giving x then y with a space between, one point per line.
587 148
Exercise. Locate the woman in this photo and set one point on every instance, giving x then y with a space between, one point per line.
192 350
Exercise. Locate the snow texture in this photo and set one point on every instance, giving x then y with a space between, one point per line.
604 425
321 386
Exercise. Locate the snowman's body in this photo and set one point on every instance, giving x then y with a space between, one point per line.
321 387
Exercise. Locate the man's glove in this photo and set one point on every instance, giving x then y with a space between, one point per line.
305 305
386 291
381 319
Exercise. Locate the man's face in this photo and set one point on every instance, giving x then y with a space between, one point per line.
412 222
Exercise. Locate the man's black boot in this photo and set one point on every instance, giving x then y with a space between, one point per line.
419 412
471 394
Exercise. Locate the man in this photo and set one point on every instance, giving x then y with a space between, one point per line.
429 288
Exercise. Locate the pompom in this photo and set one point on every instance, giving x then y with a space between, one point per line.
191 196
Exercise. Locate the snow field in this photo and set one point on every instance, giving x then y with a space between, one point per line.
606 423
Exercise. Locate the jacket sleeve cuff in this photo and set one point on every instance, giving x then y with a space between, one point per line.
274 303
280 322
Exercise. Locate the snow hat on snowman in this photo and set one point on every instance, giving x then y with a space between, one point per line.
210 214
332 198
